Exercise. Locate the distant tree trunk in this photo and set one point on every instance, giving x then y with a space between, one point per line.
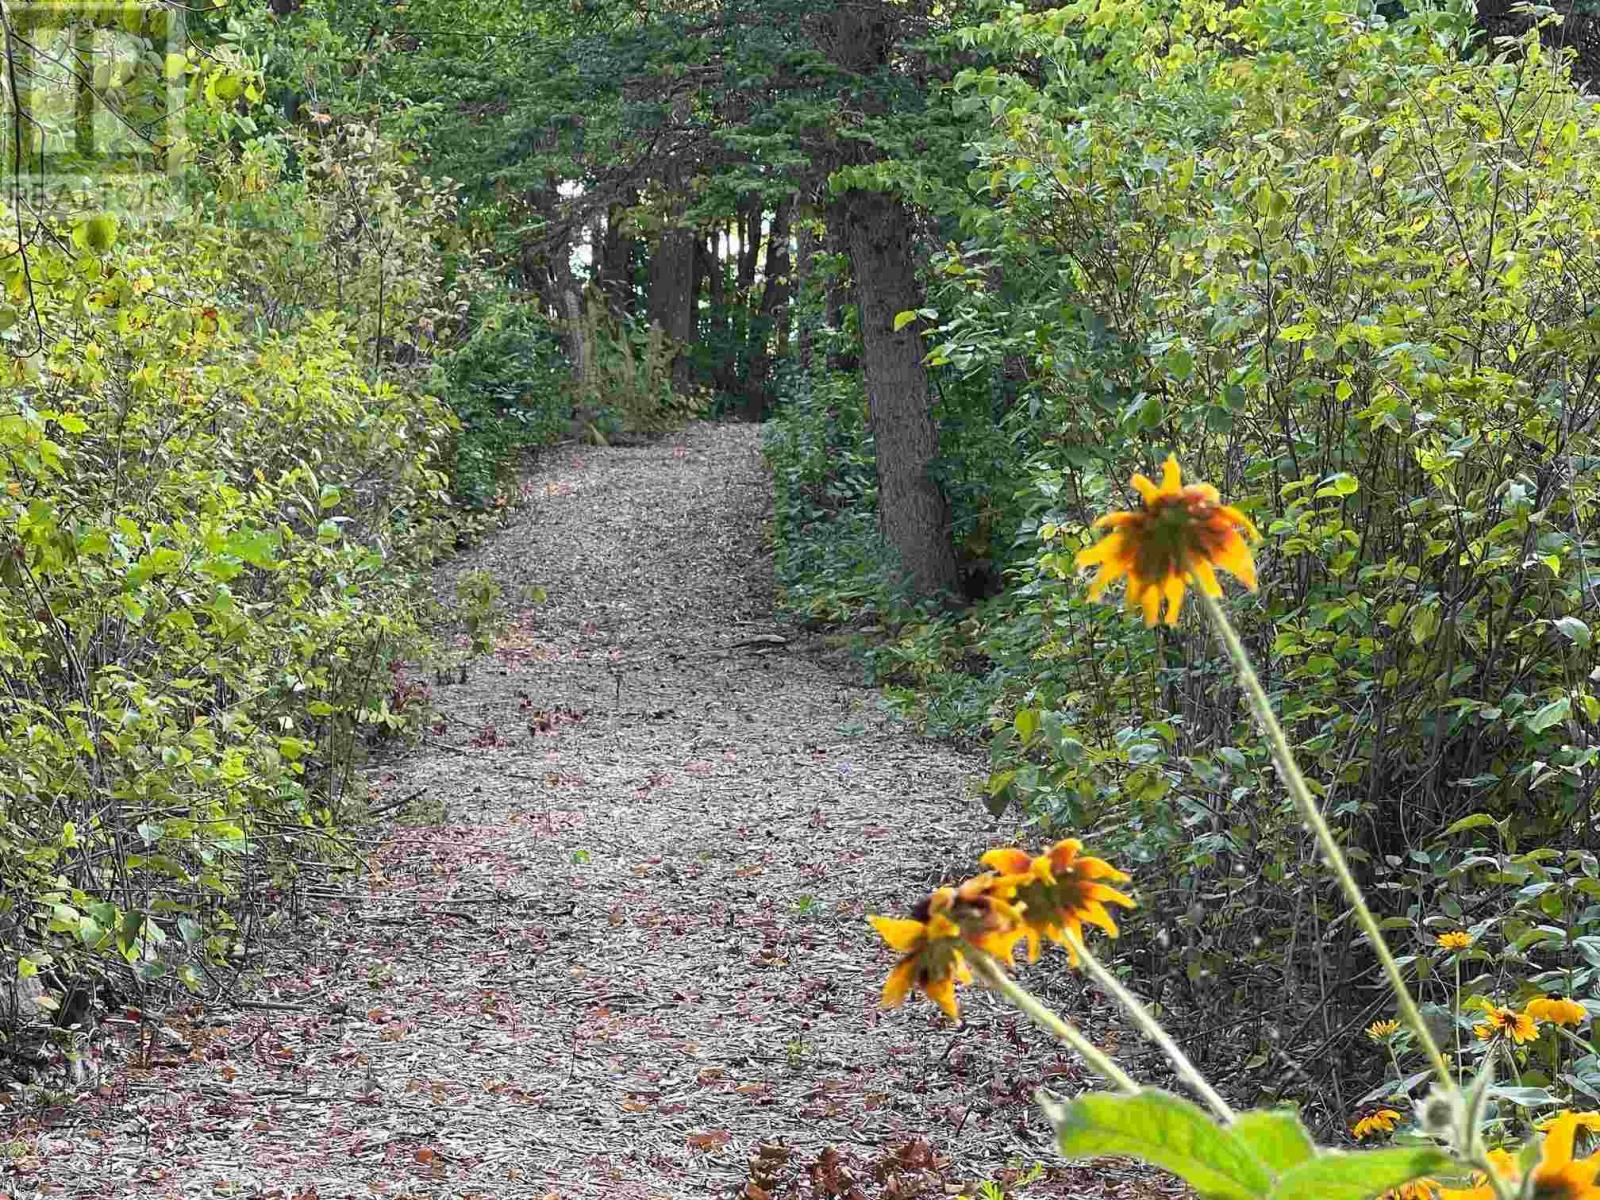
780 269
672 298
805 252
614 263
719 331
749 223
774 309
913 511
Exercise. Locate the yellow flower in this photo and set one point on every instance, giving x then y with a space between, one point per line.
1505 1166
1504 1022
1557 1010
1557 1175
1382 1121
1180 536
932 942
1382 1031
932 962
1454 940
1058 892
1588 1122
1417 1189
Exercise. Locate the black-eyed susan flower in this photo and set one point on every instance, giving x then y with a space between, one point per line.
1382 1121
1556 1176
934 941
1382 1031
1417 1189
1182 535
1501 1022
930 945
1455 940
1058 892
1557 1010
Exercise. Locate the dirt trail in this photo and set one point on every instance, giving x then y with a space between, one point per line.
630 949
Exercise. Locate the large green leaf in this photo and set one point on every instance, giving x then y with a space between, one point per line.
1165 1131
1339 1175
1276 1137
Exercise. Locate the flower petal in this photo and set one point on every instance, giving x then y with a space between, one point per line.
1008 860
943 993
1171 475
1558 1141
898 986
902 933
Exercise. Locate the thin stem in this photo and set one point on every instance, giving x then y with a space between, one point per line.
1041 1015
1150 1027
1575 1039
1455 1019
1300 792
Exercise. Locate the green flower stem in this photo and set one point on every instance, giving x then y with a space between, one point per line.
1455 1020
1150 1027
994 975
1574 1039
1289 772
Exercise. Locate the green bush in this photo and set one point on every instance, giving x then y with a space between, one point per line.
509 383
215 502
1344 267
831 561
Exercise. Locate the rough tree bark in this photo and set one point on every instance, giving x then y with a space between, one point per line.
672 297
770 319
614 265
912 510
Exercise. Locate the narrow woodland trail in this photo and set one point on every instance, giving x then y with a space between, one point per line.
629 949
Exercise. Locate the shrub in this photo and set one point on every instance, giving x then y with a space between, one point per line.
510 386
214 508
1281 238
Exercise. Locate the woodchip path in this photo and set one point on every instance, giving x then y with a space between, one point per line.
616 945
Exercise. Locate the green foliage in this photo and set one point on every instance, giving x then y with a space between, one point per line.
219 484
831 562
627 382
1262 1155
1277 239
510 386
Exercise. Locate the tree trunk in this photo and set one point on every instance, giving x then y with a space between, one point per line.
614 264
805 252
772 314
749 225
672 297
912 510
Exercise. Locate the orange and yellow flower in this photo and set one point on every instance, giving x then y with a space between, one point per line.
1417 1189
1556 1176
1557 1010
1382 1031
1382 1121
1456 939
1501 1022
1180 536
1586 1122
933 941
932 962
1058 892
1505 1166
